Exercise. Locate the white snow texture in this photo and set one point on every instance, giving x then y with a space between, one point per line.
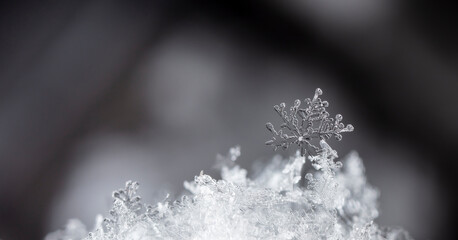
333 202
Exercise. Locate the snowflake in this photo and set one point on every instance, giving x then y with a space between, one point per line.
302 125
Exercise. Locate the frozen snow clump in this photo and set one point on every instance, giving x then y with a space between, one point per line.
335 203
332 202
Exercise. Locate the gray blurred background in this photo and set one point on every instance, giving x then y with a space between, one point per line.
94 93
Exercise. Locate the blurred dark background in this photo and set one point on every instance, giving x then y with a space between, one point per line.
94 93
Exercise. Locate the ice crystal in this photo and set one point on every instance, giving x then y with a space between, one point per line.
302 125
336 203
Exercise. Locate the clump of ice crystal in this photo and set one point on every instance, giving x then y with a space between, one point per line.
335 203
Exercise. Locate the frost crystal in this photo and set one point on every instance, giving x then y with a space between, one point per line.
336 202
302 125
